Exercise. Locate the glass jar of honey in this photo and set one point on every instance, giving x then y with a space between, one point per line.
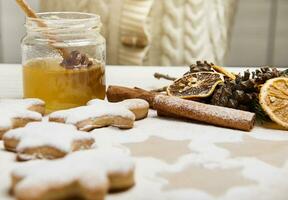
63 57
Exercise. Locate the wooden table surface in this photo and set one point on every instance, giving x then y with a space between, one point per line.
180 159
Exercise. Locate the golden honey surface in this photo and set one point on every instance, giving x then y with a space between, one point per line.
62 88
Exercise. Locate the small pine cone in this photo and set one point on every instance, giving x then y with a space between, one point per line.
264 74
241 93
201 67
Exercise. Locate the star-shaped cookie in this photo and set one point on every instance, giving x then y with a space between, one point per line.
46 140
139 107
88 174
16 113
100 113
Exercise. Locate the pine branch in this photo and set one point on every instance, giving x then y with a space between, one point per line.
163 89
167 77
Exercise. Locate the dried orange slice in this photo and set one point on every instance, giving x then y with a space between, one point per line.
274 100
195 85
224 71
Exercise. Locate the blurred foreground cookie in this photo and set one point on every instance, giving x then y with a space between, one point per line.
87 174
16 113
44 140
101 113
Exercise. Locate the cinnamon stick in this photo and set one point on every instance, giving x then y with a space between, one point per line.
220 116
119 93
186 109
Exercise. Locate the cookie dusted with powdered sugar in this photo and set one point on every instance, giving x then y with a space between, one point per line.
18 112
139 107
46 140
88 174
96 115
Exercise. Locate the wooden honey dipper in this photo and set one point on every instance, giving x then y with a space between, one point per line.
30 13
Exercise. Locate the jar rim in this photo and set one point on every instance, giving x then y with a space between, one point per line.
63 22
55 16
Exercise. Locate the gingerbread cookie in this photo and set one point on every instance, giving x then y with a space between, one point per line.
18 112
139 107
87 174
46 140
87 118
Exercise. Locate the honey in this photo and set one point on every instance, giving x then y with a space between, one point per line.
62 88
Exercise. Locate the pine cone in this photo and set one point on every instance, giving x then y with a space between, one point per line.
234 94
242 92
264 74
201 67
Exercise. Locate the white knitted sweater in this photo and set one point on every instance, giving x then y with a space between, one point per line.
159 32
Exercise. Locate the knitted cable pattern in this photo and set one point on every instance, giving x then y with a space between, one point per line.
185 30
101 7
196 36
133 24
204 33
221 15
171 42
64 5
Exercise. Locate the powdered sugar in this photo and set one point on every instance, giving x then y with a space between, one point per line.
129 103
7 115
207 113
39 134
75 115
55 173
90 168
17 108
114 160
